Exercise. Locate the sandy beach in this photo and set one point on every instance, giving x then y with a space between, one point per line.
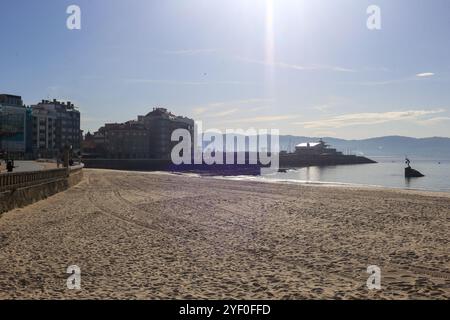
160 236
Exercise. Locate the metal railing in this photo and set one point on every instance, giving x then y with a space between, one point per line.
12 181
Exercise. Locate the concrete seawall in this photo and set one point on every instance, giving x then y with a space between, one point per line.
128 164
166 165
24 188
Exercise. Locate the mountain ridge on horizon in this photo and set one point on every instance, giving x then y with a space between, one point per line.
436 148
371 138
430 147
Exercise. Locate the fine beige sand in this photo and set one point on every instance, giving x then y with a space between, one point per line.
152 236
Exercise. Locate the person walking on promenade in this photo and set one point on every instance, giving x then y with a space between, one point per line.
10 166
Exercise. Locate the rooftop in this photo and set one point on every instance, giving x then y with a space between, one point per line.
307 144
11 100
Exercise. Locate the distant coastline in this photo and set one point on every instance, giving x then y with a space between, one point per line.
385 146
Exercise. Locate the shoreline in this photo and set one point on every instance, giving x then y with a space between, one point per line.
257 179
333 184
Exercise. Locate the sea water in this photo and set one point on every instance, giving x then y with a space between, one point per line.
388 172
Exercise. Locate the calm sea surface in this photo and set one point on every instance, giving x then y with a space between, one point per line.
388 172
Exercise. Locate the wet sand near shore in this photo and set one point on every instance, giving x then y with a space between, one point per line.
160 236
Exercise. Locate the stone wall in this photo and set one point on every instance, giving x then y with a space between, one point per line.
24 188
128 164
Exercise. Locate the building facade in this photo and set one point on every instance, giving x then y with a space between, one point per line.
43 138
161 124
148 137
55 125
42 130
127 140
13 126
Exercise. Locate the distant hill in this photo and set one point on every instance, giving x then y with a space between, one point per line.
435 147
390 146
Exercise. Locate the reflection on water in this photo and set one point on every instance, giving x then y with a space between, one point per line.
388 172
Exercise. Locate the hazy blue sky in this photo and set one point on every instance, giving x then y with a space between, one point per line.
323 73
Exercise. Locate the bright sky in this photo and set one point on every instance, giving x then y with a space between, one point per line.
304 67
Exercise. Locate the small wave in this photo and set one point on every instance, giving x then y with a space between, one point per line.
321 183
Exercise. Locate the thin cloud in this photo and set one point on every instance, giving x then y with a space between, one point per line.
181 82
224 113
425 74
233 106
322 108
169 82
416 77
369 118
261 119
284 65
379 83
257 109
434 121
239 102
331 102
190 51
199 110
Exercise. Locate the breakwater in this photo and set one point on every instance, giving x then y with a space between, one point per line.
167 165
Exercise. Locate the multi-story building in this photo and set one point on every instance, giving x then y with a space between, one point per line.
42 130
127 140
13 125
55 125
43 138
161 123
147 138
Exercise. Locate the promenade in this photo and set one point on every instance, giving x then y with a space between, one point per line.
151 236
24 166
